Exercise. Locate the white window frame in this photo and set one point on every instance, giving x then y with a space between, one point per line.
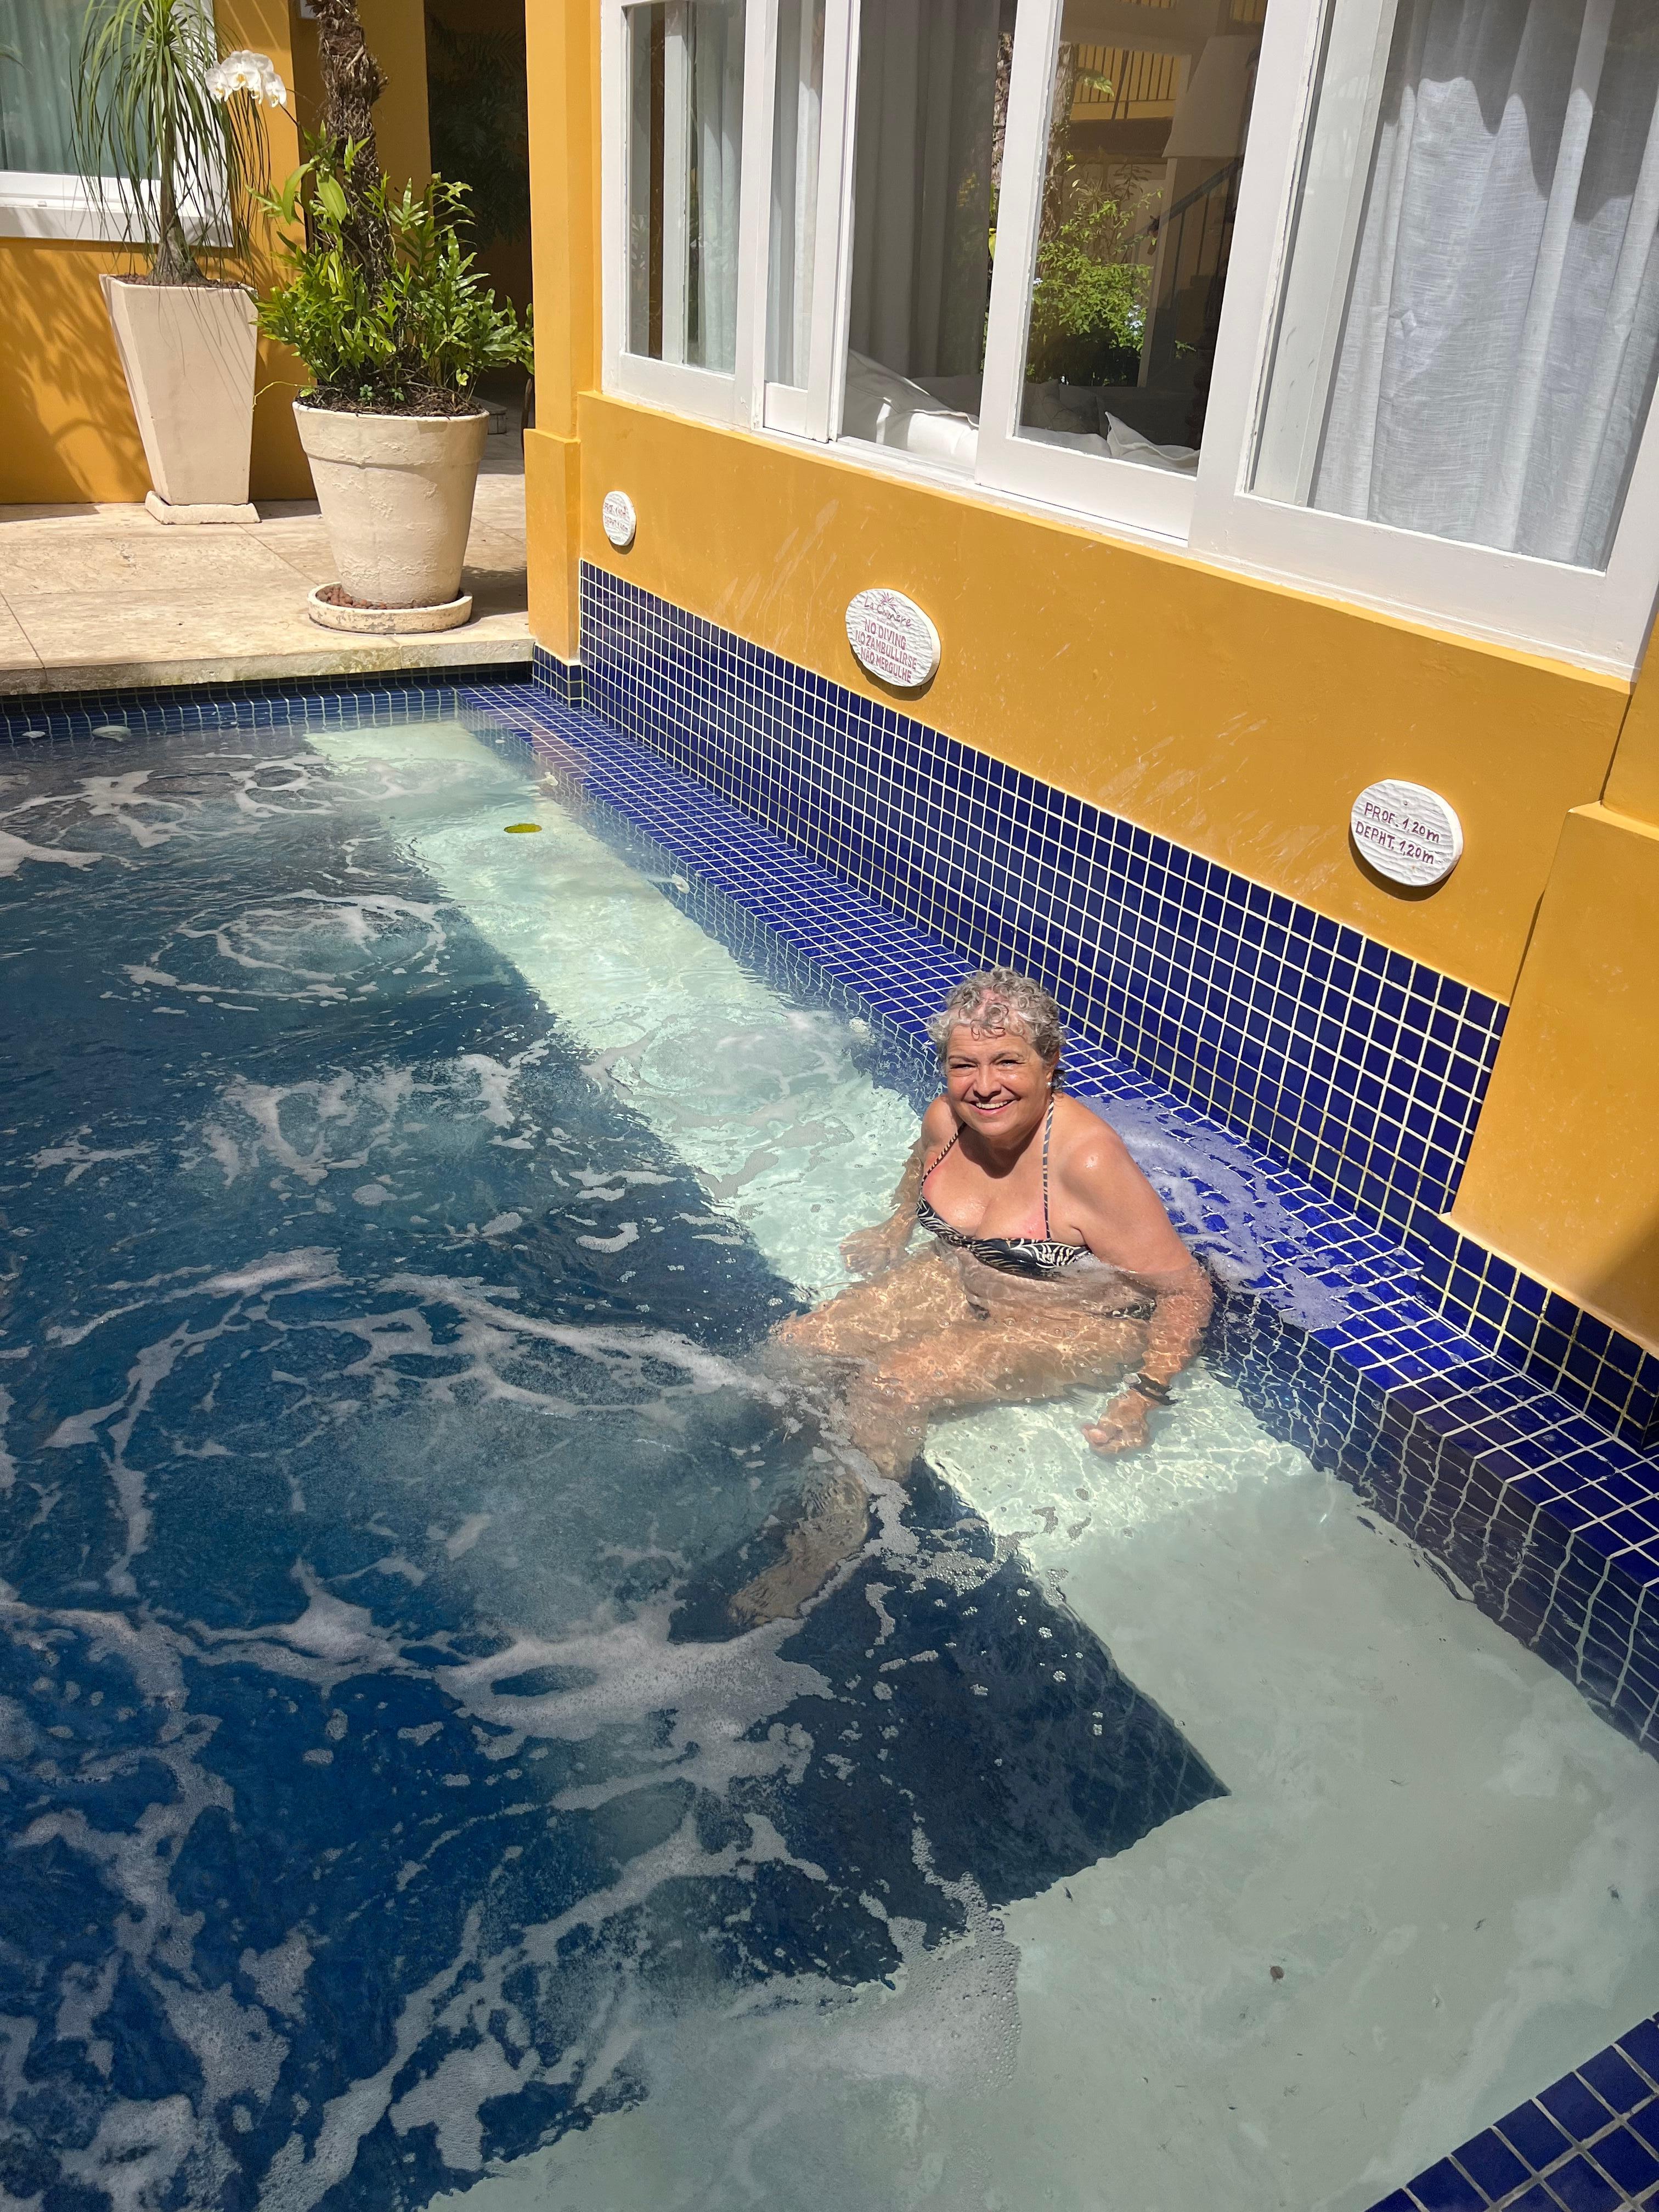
58 204
46 203
1122 492
810 409
1596 619
711 395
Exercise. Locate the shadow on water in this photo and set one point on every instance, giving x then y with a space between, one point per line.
380 1760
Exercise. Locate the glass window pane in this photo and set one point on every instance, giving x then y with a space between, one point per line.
39 47
1469 326
794 188
646 55
686 151
932 95
1145 144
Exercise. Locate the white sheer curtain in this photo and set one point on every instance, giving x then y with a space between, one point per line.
41 39
715 30
926 107
1497 356
796 117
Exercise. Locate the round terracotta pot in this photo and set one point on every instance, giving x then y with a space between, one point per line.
396 492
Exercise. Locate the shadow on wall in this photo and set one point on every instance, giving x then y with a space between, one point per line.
1630 1285
70 433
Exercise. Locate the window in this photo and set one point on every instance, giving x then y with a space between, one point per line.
1363 294
677 204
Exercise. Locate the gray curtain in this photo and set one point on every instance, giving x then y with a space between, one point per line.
1502 334
926 102
36 89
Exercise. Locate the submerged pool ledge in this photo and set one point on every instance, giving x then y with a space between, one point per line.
1550 1523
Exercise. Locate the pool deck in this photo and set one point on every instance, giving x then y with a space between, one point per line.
103 597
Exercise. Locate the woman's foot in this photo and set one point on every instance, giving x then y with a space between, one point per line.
828 1527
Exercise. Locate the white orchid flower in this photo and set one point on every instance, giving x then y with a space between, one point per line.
253 74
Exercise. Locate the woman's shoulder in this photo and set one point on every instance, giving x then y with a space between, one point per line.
938 1123
1085 1143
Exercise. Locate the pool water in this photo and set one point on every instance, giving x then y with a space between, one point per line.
392 1210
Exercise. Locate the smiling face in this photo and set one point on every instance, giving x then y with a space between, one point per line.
997 1083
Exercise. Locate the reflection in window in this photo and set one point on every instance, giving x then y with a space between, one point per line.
1470 327
1140 181
794 189
932 90
685 144
40 59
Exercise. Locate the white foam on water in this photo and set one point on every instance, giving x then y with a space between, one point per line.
1452 1861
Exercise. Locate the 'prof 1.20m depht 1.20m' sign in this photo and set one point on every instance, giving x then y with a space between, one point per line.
892 639
1407 832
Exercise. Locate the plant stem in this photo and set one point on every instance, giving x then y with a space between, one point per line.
352 81
174 263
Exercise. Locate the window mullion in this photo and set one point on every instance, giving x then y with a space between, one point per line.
1018 209
832 270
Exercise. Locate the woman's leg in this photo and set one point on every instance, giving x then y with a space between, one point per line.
996 1362
911 1300
831 1518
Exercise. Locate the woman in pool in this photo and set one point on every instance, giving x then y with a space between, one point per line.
1048 1264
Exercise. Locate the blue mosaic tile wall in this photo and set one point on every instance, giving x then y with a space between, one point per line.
1588 2143
1358 1067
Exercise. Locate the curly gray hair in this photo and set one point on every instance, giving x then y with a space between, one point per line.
996 999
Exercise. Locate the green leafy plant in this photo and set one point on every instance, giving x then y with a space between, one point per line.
407 330
1089 310
184 157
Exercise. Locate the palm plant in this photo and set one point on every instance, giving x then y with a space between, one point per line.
183 157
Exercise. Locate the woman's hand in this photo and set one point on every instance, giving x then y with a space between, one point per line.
1122 1427
874 1251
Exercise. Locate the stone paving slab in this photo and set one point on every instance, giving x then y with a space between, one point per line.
104 597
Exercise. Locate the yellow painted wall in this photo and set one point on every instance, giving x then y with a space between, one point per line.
69 434
562 60
1563 1175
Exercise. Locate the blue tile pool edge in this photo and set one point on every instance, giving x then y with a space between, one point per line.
1590 2139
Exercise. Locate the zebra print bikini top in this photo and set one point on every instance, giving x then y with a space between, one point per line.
1035 1257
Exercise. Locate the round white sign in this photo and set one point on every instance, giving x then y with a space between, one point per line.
619 520
892 638
1407 833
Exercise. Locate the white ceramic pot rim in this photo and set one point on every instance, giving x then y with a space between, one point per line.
386 414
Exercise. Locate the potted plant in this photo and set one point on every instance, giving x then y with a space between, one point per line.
387 310
154 119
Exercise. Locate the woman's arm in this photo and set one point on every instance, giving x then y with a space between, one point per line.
1173 1335
872 1251
1123 1222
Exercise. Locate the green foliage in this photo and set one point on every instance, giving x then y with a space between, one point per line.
481 124
410 335
185 164
1089 311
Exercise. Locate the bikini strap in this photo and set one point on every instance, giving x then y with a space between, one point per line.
927 1171
1047 1125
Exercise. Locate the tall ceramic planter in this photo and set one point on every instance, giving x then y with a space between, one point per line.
396 492
187 352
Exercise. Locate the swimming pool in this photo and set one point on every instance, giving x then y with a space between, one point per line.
394 1207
